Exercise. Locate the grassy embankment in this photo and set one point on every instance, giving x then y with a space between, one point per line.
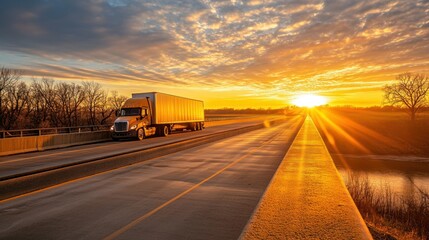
390 216
362 132
368 132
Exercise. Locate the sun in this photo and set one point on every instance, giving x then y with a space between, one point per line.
309 100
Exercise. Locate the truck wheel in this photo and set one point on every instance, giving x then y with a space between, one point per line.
140 134
164 131
199 126
194 127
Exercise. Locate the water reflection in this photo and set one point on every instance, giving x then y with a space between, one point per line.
401 176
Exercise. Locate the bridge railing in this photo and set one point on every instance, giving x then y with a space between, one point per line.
51 131
89 128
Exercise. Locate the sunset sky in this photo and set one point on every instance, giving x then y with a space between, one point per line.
228 53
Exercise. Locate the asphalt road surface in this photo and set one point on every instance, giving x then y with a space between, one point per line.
27 162
207 192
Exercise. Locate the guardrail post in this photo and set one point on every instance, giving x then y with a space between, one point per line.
20 132
40 132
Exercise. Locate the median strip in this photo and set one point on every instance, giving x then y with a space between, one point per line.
306 198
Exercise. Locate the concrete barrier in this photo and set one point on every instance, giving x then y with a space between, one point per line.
10 146
306 198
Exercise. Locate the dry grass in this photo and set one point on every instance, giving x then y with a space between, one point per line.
363 132
402 217
358 131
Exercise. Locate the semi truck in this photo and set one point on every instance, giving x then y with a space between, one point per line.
154 113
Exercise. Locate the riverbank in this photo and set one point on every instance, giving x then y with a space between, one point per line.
391 152
388 215
400 180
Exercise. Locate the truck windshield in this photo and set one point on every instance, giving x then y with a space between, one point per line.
130 112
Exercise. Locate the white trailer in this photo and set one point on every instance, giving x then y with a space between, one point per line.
170 109
150 113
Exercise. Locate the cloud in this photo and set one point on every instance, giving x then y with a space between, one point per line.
277 46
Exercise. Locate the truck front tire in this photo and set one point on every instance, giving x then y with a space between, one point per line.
140 134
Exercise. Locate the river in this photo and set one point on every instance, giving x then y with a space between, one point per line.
400 173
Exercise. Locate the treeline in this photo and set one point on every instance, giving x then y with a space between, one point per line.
48 103
385 108
247 111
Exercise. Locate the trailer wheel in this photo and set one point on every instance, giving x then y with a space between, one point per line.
194 127
198 126
140 134
164 131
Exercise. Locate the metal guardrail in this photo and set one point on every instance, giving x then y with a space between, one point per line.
51 131
79 129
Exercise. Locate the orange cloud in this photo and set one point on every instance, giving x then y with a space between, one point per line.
244 49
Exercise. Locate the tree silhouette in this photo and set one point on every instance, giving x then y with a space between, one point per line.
409 91
48 103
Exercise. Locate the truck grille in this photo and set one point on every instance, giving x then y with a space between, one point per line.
121 126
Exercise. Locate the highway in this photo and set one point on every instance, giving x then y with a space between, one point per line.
205 192
22 164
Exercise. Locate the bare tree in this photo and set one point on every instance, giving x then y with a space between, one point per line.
104 109
409 91
17 100
77 102
46 91
93 100
47 103
8 80
38 105
69 98
116 101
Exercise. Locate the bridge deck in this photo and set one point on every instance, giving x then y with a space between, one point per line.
306 198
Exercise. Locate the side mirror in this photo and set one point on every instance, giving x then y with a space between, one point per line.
145 113
118 113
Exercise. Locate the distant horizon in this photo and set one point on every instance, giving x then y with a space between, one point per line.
214 101
281 103
402 109
262 104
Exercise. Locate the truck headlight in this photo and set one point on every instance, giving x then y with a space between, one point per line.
112 128
133 127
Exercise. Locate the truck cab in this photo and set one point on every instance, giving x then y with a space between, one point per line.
133 120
